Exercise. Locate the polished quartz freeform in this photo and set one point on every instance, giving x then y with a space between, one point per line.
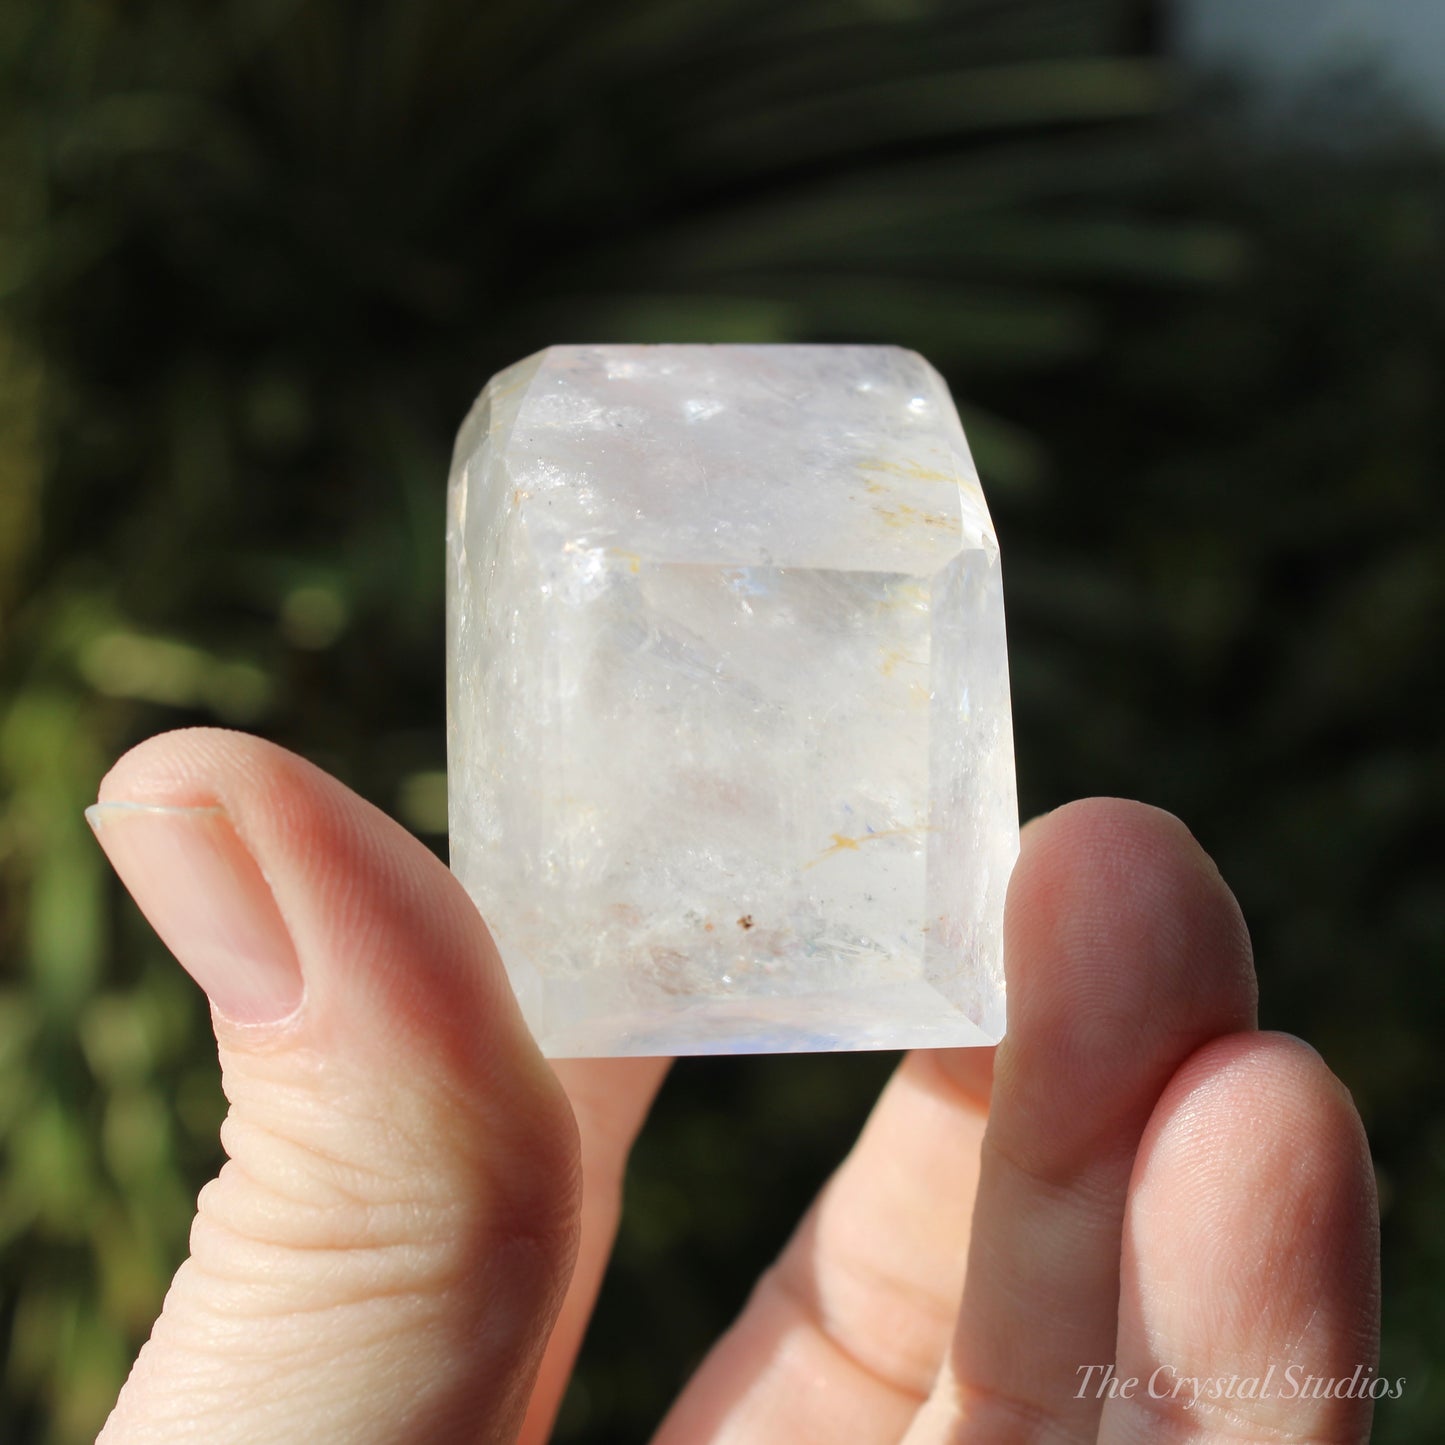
731 762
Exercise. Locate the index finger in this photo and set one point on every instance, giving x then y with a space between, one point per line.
1125 952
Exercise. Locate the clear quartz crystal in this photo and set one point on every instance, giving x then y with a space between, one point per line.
731 760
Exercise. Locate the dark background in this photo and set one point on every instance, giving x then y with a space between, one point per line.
257 258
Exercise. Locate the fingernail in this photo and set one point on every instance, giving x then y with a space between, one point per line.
205 895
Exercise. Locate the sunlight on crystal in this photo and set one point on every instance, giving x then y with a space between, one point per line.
731 760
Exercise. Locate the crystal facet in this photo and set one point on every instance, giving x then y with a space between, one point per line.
731 761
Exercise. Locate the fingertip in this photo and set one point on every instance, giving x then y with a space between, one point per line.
1111 898
1091 828
1263 1114
177 768
1253 1220
1265 1074
1066 851
398 964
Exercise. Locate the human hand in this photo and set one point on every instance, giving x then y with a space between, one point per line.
410 1231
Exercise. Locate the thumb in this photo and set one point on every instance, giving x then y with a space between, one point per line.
383 1254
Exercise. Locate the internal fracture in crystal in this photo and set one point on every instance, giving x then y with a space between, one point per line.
730 752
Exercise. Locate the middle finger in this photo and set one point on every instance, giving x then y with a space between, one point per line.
843 1336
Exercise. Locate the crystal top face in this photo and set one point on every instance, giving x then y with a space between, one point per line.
731 761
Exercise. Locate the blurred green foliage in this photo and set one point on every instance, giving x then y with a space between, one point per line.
255 260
